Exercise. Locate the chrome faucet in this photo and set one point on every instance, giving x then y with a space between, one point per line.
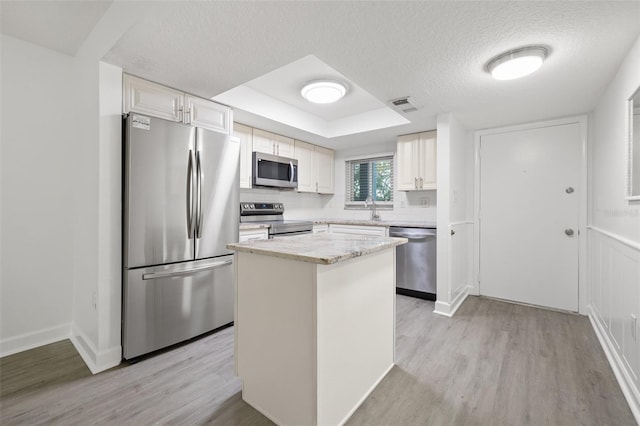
369 200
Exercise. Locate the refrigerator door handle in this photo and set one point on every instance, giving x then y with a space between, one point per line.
174 273
198 196
190 195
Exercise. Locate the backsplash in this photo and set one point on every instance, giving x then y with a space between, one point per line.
418 206
407 205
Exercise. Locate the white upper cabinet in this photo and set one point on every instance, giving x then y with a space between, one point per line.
304 153
284 146
324 170
152 99
207 114
428 157
160 101
416 161
270 143
245 134
315 168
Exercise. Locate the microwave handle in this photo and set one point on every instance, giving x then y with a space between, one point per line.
292 170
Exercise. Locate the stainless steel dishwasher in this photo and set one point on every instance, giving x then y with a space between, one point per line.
416 262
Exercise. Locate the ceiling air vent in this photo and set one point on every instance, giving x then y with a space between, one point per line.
404 105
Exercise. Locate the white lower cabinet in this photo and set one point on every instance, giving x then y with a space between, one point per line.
377 231
253 234
320 228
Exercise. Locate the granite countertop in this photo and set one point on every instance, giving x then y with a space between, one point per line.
245 226
324 249
385 223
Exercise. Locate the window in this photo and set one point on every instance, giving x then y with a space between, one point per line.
369 177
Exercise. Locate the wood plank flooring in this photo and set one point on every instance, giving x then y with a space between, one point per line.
493 363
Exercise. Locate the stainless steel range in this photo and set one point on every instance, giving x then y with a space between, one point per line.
272 214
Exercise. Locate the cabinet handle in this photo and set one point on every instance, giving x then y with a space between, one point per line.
278 148
316 186
416 183
420 183
188 114
180 114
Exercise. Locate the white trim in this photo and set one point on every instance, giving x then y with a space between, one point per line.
627 242
367 156
629 390
633 198
449 309
35 339
366 395
97 361
582 227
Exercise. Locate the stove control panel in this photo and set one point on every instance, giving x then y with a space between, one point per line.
255 208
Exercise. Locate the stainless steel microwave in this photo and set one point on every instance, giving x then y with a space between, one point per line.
274 171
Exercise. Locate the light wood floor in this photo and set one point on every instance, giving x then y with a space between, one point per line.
493 363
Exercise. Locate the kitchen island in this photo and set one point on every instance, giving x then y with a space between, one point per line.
314 324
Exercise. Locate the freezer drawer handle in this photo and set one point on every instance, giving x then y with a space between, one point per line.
166 274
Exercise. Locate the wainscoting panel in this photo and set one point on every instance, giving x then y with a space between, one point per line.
614 306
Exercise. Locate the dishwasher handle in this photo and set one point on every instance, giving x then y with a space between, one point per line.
414 236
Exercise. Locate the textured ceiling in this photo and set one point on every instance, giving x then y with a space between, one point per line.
57 25
432 51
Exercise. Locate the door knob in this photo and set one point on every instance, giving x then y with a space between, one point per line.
569 190
568 231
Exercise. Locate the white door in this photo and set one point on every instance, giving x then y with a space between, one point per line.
529 215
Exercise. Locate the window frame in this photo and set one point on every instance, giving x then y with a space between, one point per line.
360 205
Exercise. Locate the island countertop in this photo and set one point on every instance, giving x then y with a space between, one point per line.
324 249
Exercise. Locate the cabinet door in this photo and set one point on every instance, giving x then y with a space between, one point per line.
428 157
408 162
253 234
263 141
378 231
245 134
306 166
324 167
207 114
284 146
152 99
321 229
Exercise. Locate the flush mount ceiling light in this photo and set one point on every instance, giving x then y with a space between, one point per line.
517 63
323 91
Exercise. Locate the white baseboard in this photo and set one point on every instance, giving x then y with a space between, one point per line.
630 391
449 309
366 395
32 340
97 361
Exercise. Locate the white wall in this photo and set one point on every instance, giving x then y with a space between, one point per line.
60 254
614 234
38 175
453 256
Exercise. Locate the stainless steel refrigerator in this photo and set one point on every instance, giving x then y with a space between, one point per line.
181 207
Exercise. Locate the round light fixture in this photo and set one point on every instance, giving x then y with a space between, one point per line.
323 91
517 63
